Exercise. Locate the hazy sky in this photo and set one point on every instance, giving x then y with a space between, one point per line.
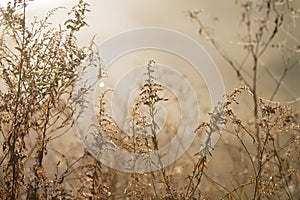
111 17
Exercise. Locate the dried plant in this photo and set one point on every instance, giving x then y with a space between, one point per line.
259 140
39 64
